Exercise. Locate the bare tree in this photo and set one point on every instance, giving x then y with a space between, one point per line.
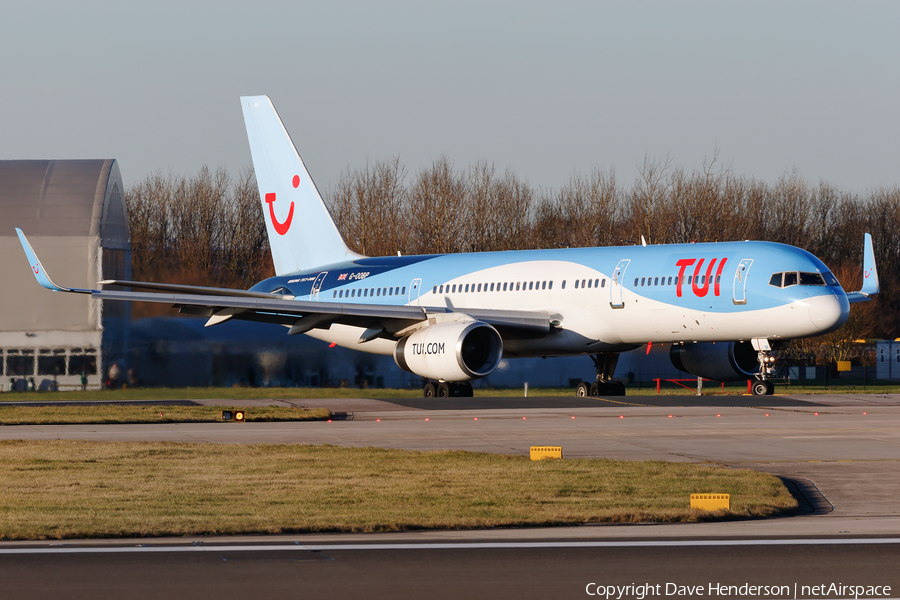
438 210
648 199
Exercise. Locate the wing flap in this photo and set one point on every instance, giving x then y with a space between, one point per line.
187 289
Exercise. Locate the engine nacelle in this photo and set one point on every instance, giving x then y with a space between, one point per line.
720 361
459 351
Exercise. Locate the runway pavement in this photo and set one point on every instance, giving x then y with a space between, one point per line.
841 452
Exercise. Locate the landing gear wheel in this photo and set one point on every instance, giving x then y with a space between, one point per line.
464 390
770 388
617 388
443 390
598 389
583 390
760 388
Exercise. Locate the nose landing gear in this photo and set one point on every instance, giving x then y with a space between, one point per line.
762 386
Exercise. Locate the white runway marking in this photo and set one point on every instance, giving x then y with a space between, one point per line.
443 546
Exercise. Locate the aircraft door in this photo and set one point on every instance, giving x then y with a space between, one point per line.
414 292
616 283
317 285
740 281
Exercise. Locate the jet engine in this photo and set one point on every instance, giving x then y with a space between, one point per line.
459 351
720 361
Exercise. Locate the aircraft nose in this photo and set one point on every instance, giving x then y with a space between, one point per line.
828 312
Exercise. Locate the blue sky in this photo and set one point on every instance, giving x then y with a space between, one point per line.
546 89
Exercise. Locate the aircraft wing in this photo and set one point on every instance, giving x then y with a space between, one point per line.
222 304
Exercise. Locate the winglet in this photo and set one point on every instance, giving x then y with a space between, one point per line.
870 286
40 273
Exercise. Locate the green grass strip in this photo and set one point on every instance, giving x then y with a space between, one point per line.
67 489
108 414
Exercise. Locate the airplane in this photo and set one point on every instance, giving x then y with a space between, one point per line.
451 318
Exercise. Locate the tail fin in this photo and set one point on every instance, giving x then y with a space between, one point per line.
871 285
302 234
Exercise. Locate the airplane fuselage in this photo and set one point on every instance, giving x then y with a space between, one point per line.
601 299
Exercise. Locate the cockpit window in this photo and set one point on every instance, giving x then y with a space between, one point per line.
811 279
793 278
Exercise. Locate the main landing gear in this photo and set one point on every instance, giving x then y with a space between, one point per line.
762 386
447 389
605 364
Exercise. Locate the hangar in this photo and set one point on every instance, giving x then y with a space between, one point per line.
74 214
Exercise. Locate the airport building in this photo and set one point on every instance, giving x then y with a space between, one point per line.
73 212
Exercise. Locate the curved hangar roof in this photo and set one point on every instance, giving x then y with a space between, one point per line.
64 198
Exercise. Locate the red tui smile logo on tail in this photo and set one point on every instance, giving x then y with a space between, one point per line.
281 228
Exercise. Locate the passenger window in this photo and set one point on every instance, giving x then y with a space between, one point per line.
643 279
582 283
596 283
563 285
790 279
656 281
590 283
576 284
403 293
636 281
544 285
603 283
530 285
550 287
504 286
492 287
378 292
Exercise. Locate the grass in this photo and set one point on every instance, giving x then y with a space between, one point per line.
66 489
68 415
